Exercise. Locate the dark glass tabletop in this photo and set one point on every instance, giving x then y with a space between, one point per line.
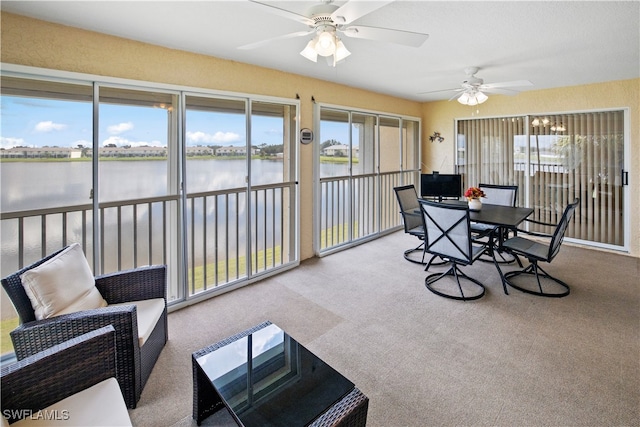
506 216
268 379
500 215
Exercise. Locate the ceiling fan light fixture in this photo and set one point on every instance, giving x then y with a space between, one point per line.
473 98
481 97
309 51
464 99
341 51
326 44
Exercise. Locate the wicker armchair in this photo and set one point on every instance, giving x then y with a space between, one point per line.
134 362
81 371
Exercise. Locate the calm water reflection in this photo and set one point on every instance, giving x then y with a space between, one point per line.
41 185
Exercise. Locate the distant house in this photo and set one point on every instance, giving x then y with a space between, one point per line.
200 151
234 151
41 153
339 150
144 151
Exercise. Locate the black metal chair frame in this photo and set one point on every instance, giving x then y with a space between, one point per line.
412 221
536 252
468 253
134 363
499 232
489 187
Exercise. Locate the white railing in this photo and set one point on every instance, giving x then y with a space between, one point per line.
137 232
353 208
217 234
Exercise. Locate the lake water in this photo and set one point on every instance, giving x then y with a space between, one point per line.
39 185
42 185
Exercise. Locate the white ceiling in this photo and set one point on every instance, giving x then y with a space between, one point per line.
550 43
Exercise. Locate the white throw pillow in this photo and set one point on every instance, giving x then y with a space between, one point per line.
62 284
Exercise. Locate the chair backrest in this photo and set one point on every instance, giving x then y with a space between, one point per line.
448 231
409 206
561 228
12 285
505 195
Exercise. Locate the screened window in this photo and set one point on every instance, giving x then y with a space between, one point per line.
361 157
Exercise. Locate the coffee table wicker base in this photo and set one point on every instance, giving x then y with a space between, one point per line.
350 411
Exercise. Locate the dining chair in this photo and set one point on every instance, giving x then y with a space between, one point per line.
539 251
410 211
448 236
503 195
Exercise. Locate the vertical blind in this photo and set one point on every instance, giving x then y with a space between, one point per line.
553 159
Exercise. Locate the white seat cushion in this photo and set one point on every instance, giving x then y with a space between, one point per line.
99 405
149 311
62 284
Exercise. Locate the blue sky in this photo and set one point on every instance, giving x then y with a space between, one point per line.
37 122
40 122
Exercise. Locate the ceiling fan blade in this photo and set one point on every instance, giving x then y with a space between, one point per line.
442 90
408 38
517 83
457 95
282 37
354 9
500 91
286 13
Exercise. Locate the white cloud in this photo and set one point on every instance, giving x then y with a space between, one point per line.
6 142
49 126
216 138
119 128
121 142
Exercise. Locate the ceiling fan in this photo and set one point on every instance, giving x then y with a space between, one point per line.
473 90
327 21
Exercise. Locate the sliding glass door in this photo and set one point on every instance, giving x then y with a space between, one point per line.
137 188
46 177
361 157
240 181
555 158
334 169
139 175
272 186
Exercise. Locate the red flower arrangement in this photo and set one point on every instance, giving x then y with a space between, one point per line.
474 193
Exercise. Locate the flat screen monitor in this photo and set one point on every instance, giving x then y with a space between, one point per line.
440 185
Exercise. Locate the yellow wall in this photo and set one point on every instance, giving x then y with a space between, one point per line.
30 42
440 117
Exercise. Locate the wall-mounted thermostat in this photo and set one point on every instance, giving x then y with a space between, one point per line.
306 136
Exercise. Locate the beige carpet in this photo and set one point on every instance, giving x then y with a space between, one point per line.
503 360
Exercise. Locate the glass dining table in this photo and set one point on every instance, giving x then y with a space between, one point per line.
504 217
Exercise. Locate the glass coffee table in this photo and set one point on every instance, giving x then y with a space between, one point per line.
266 378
